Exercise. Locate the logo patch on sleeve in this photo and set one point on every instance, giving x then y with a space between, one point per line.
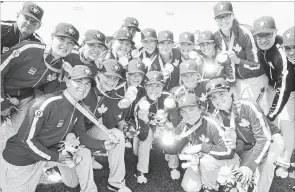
38 113
60 123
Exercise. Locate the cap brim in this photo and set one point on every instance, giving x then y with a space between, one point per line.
223 13
188 71
63 35
151 38
264 31
187 42
113 74
153 82
136 28
188 105
205 41
96 41
136 71
288 43
159 41
30 15
93 83
217 90
126 40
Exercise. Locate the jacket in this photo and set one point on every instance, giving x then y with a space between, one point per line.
281 75
10 36
128 113
158 65
224 70
104 106
253 129
143 128
210 135
245 48
50 118
26 66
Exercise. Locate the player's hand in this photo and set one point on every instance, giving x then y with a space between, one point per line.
143 115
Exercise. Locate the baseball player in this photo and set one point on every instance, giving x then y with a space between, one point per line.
102 101
207 137
148 122
131 24
28 21
168 59
92 47
50 118
186 45
28 66
238 42
280 72
214 63
259 142
135 75
149 48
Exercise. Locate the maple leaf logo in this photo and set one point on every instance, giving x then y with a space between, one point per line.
176 62
102 109
203 97
237 48
244 123
51 77
204 139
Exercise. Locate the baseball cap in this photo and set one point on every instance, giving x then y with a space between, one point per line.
136 65
188 66
124 34
222 8
112 67
66 30
148 34
95 36
216 85
154 77
82 71
265 24
205 37
165 36
288 37
188 99
186 37
32 10
131 22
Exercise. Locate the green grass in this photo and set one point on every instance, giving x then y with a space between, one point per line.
159 179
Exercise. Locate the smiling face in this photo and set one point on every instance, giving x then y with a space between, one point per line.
225 21
290 53
222 100
61 46
92 51
165 47
208 49
121 47
190 114
79 88
186 48
190 80
154 90
134 79
108 82
149 45
265 40
27 25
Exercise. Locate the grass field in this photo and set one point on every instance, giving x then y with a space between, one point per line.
159 179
